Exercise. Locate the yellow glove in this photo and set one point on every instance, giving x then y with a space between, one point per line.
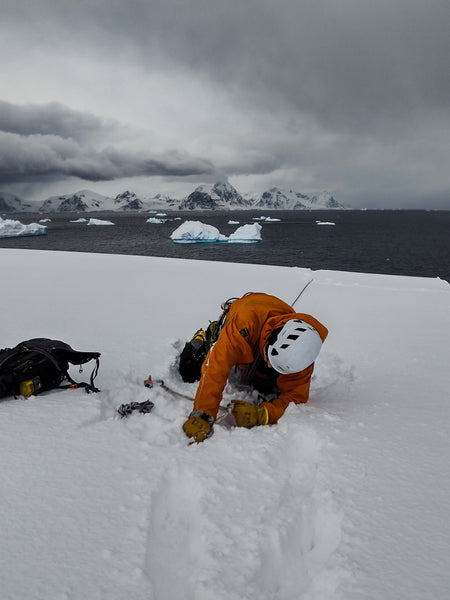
197 428
248 415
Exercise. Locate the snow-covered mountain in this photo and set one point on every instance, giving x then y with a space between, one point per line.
276 199
128 201
324 200
222 196
9 203
215 197
83 201
89 201
161 202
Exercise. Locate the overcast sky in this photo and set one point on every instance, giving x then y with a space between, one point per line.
348 96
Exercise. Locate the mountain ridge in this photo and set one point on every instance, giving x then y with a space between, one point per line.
209 197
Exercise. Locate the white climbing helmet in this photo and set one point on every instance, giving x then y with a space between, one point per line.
296 347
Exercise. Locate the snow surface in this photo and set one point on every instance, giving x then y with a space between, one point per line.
347 498
196 231
10 228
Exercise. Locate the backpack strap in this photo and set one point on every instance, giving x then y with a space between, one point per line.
70 355
7 353
48 355
88 387
225 306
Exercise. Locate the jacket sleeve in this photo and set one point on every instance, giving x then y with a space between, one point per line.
293 388
230 349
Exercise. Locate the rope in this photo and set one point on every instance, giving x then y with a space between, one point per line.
304 288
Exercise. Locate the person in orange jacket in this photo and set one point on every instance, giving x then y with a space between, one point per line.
273 345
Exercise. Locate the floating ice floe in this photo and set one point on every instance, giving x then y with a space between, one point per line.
99 222
10 228
325 223
156 220
267 219
196 231
45 220
80 220
233 222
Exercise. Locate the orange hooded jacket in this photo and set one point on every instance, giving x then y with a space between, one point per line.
248 325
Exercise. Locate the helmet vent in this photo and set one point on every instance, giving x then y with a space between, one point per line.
294 348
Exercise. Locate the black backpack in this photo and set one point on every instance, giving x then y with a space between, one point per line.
44 363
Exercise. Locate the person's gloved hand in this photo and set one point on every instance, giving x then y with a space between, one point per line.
197 428
248 415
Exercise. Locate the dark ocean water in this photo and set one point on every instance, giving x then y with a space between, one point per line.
415 243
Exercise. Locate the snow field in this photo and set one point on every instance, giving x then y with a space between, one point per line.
346 498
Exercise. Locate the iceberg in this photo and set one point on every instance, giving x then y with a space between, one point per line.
99 222
268 219
246 234
10 228
156 220
195 231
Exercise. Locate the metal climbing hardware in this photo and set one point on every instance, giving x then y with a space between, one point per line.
143 407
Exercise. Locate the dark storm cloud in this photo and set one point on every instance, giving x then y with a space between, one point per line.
50 141
35 157
51 119
353 91
352 64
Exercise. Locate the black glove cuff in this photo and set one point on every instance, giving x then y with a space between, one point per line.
202 415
